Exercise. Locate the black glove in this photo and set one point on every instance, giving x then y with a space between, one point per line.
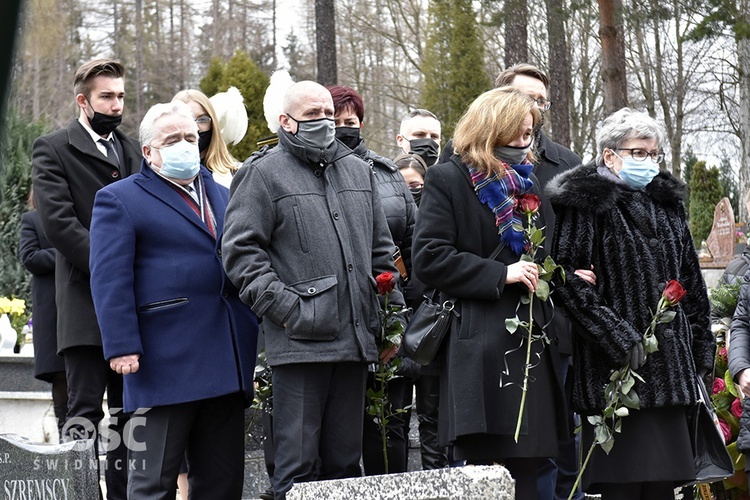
637 356
409 369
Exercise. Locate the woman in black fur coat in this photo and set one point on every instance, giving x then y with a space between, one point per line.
625 218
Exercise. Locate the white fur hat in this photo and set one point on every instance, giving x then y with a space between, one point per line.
273 101
231 113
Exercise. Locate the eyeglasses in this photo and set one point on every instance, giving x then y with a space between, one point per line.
542 103
203 120
641 154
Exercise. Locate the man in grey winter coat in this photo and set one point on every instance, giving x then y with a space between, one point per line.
304 237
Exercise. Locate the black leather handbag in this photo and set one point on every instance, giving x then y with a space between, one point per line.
712 460
427 327
430 322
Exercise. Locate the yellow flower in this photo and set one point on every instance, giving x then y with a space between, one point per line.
12 306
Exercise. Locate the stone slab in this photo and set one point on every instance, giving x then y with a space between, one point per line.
459 483
54 472
17 374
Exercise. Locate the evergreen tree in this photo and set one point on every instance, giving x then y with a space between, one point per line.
729 186
211 83
241 72
705 193
454 62
15 184
688 160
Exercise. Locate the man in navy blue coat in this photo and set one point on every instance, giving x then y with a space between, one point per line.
171 321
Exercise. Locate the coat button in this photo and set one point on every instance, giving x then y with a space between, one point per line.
336 215
653 242
318 173
311 290
115 174
668 333
225 294
350 267
218 252
356 322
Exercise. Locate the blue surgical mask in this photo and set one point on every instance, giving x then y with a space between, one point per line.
637 174
318 133
180 161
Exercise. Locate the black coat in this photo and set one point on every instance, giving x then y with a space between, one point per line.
395 197
38 257
454 236
551 159
636 240
68 170
739 357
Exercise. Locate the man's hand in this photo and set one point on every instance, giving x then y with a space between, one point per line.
125 364
744 381
388 354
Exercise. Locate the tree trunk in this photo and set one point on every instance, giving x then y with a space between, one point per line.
516 33
138 58
613 55
559 73
325 38
743 66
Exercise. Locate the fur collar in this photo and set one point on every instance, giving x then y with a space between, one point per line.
583 188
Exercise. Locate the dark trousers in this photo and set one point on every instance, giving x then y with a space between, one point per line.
88 375
637 491
427 402
267 420
396 442
558 475
209 432
318 410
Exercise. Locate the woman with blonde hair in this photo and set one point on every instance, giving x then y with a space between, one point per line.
469 214
214 153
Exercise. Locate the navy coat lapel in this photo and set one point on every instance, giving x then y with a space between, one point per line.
218 199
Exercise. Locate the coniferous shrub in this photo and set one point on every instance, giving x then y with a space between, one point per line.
705 193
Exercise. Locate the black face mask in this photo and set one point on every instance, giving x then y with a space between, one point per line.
103 124
426 148
204 140
416 193
349 136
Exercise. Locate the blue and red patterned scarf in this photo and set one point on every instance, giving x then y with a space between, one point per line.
499 192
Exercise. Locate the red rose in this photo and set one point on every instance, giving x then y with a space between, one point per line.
528 204
726 430
386 282
721 356
673 292
719 385
737 408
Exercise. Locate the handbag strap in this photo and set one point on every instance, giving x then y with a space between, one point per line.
498 249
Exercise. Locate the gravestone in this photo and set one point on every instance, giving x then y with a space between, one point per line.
721 239
459 483
65 471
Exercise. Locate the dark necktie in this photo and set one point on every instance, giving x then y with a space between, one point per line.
111 153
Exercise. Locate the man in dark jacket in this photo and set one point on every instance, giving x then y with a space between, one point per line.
69 167
556 477
304 237
400 212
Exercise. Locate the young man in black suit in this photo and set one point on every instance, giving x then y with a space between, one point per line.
69 166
